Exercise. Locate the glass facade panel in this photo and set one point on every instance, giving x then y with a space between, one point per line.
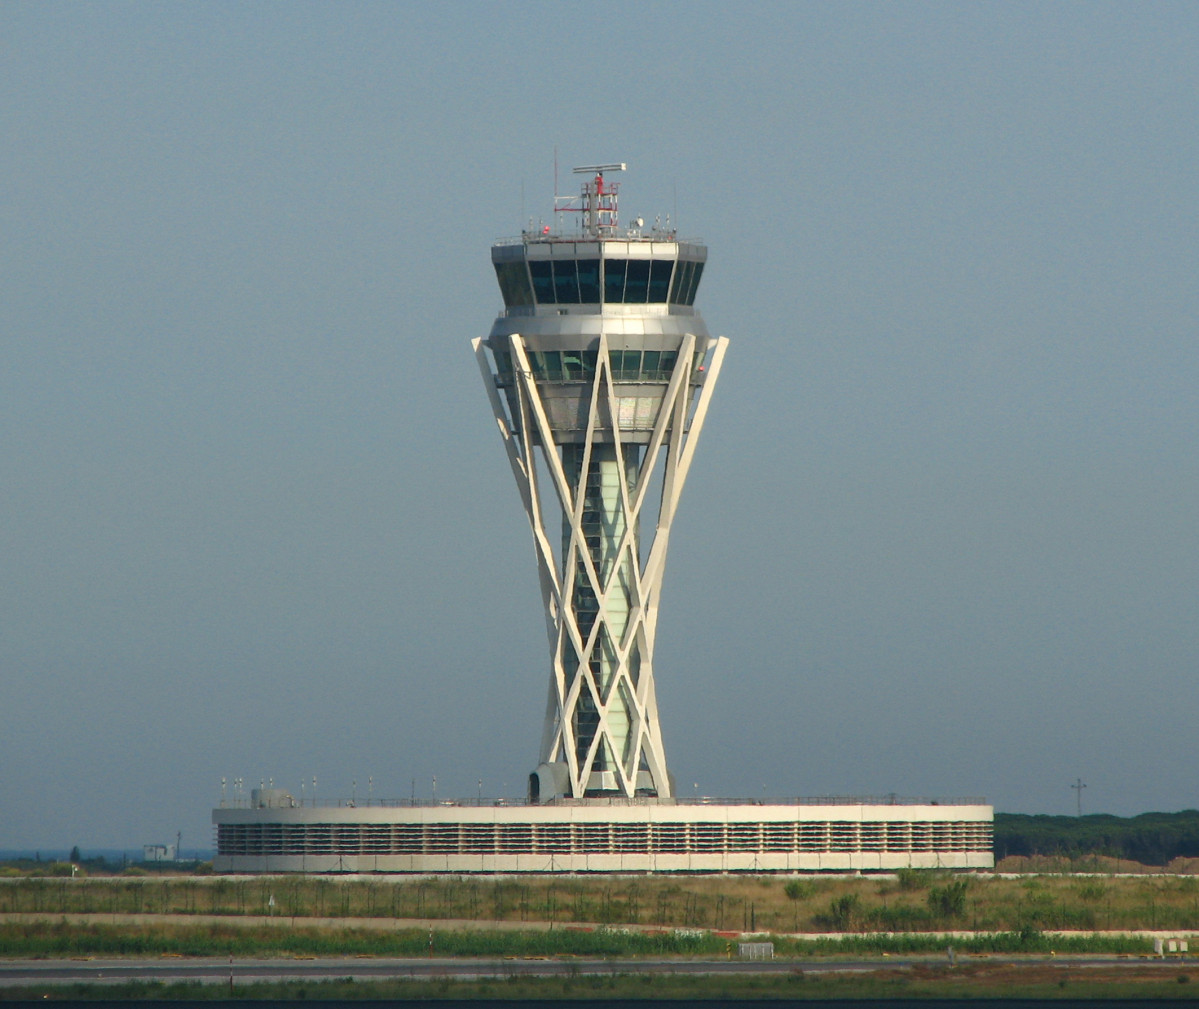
566 281
578 281
542 274
578 365
514 283
694 284
683 275
680 274
659 278
572 365
630 368
546 364
614 273
589 289
651 364
636 284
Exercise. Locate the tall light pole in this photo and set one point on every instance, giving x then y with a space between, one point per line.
1078 786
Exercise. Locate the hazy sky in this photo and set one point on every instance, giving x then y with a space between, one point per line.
940 537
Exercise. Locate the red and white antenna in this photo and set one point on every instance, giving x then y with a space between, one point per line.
597 201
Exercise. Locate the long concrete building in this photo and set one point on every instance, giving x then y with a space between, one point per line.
276 834
599 371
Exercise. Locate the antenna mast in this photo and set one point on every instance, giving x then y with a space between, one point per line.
1078 786
599 201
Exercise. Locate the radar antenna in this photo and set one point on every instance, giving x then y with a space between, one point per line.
598 200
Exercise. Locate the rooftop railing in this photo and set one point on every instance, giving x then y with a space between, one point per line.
704 800
621 235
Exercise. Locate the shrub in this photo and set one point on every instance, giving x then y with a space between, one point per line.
915 879
900 918
798 889
841 914
949 901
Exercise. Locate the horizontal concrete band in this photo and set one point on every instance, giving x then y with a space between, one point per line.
625 863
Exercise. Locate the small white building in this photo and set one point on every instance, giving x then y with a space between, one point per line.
159 853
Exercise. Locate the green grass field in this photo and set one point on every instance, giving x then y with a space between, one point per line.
50 938
917 901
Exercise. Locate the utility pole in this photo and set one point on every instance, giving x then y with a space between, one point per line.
1078 786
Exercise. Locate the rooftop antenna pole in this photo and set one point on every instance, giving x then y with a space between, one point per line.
1078 786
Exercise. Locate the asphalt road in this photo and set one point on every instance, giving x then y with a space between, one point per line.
216 970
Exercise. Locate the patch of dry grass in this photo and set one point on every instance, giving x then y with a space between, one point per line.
915 901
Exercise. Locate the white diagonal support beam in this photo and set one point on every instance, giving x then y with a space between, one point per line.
601 600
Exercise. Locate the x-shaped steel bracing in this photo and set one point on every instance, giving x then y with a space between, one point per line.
619 684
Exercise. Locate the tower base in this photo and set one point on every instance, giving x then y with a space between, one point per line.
606 836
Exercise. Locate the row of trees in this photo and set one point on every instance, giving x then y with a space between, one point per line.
1151 838
78 863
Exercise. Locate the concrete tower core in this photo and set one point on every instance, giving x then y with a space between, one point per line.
600 371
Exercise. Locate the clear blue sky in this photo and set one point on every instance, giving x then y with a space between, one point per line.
940 537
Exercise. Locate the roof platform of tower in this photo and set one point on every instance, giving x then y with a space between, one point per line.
597 264
596 217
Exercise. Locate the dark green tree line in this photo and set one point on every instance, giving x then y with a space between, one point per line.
1151 838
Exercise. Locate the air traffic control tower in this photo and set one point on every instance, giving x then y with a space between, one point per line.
599 371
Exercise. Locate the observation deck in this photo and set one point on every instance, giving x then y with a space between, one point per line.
564 289
600 266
